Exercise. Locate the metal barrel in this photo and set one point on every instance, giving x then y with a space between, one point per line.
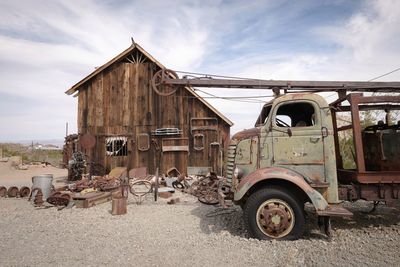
45 183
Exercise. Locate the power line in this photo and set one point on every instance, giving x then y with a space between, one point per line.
383 75
206 75
238 99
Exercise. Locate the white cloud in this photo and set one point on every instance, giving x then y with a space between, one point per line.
46 47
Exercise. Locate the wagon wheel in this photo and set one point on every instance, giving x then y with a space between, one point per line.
209 197
159 86
140 187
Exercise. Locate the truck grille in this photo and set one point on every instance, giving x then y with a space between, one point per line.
230 164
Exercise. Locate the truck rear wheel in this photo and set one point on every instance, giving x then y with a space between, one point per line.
274 213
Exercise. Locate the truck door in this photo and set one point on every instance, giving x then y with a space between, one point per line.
297 138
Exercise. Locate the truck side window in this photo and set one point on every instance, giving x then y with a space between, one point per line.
263 117
296 115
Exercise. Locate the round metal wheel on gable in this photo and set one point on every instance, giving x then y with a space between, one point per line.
274 213
159 87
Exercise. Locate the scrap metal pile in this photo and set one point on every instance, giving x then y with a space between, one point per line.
89 191
35 195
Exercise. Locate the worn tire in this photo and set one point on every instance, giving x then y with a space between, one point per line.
274 194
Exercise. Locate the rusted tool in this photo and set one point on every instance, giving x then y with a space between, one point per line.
3 191
59 199
13 191
38 201
24 191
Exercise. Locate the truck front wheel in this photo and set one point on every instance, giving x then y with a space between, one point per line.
274 213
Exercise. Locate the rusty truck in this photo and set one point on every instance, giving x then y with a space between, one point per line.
292 155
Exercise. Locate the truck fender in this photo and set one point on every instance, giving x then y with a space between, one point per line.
259 175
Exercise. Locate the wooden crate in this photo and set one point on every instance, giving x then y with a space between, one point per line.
91 199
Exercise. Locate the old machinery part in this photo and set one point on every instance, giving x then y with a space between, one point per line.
107 184
224 192
143 142
178 185
3 191
209 198
24 191
81 185
59 199
159 86
140 188
173 172
324 223
77 166
167 131
13 191
207 190
38 201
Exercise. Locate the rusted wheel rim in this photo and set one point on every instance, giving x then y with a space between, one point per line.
24 191
3 191
275 218
13 191
140 188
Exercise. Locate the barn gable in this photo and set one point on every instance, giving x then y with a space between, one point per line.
135 126
136 54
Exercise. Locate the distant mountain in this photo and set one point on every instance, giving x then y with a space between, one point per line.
54 142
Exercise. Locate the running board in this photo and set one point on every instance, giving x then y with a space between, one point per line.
334 211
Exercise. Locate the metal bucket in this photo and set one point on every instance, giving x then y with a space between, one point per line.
45 183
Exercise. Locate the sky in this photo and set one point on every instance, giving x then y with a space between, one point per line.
48 46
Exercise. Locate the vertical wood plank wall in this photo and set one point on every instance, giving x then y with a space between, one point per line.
120 102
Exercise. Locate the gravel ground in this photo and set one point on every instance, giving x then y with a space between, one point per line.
186 234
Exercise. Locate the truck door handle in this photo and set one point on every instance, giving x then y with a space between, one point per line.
314 139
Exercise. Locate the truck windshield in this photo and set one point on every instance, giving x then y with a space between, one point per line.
263 117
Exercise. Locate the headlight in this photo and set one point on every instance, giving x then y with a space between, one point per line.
237 173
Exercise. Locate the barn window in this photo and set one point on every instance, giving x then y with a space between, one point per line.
117 146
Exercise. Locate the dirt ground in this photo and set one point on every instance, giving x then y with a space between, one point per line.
185 234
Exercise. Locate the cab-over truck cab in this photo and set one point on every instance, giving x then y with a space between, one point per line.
286 160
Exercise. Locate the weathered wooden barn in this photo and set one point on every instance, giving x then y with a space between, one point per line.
132 125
